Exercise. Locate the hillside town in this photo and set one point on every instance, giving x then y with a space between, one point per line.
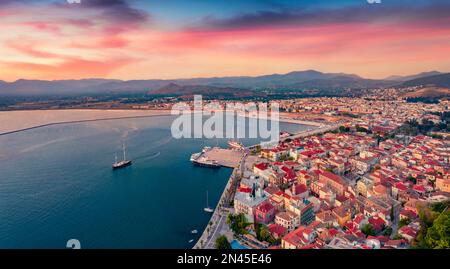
366 185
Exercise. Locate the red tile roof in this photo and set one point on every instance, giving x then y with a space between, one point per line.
265 207
277 229
262 166
332 176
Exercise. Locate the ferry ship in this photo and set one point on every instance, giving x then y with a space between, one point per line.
199 160
123 163
234 144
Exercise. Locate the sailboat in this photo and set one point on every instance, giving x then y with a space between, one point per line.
124 162
207 208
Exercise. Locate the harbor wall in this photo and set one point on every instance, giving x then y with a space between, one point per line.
216 215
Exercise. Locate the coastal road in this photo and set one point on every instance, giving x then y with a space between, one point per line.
219 217
313 132
221 228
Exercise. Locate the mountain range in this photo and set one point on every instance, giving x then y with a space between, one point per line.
411 77
296 81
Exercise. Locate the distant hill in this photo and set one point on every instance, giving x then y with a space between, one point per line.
273 81
297 81
411 77
342 82
428 92
442 80
176 90
45 87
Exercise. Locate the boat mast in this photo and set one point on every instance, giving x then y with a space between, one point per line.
123 146
207 206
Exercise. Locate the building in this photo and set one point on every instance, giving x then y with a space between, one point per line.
277 231
247 202
298 190
298 238
264 213
363 186
443 184
287 219
343 214
334 181
303 209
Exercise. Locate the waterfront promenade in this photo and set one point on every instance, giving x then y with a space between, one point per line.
217 225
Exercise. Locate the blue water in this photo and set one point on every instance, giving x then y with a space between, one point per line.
235 245
56 183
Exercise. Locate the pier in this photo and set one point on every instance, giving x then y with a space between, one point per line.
225 157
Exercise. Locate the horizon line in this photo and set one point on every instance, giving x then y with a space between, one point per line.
225 76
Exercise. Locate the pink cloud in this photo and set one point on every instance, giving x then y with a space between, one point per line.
71 68
353 46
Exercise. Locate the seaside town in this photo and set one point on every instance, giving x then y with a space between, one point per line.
378 179
179 127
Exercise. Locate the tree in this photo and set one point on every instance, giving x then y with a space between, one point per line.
362 129
438 236
237 223
344 129
412 179
427 217
368 229
440 206
222 243
404 222
262 233
387 231
284 186
397 237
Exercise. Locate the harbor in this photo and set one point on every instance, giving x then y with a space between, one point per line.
217 157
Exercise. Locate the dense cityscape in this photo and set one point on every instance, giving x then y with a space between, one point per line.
379 180
217 132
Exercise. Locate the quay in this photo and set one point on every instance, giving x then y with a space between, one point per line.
217 225
225 157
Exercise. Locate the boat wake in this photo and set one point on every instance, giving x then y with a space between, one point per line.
45 144
149 157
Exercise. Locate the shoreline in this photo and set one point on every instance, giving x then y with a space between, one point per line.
203 239
22 120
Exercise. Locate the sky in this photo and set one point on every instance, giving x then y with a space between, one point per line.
137 39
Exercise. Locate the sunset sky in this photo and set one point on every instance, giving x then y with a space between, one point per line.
52 39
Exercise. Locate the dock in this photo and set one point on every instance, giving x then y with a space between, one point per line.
225 157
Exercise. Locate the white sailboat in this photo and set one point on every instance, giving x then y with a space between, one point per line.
207 208
124 162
